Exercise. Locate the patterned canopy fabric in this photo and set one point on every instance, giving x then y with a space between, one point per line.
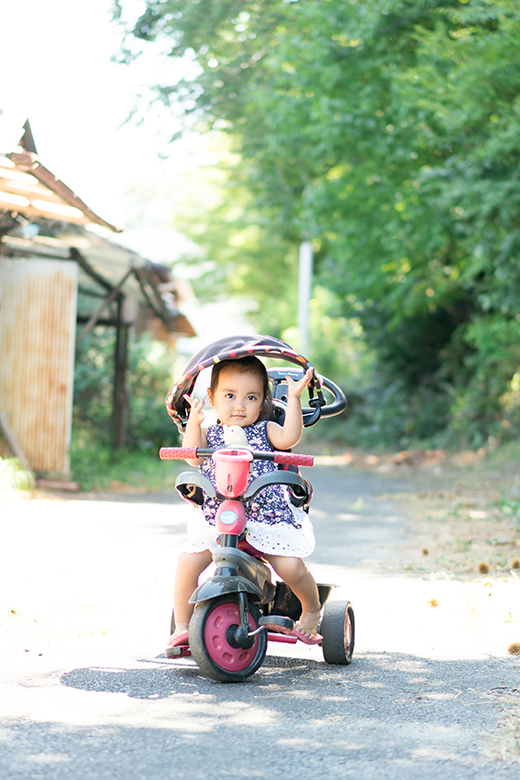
229 348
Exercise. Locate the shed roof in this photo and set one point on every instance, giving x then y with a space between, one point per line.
28 187
103 264
53 225
65 241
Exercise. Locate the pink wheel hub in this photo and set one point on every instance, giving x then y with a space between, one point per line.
215 638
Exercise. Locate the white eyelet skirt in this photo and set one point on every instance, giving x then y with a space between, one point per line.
278 539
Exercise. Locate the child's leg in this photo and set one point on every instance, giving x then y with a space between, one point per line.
294 572
189 567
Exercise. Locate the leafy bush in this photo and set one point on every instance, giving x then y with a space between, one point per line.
93 377
13 476
148 381
489 404
98 467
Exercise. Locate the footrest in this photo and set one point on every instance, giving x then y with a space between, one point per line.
278 623
177 652
275 636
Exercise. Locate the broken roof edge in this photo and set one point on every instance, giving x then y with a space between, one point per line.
106 263
29 162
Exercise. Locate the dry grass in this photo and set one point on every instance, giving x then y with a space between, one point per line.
465 510
503 743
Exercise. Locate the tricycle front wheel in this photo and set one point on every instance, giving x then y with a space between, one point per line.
338 631
212 628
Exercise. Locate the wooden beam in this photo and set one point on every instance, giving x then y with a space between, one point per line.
120 369
13 442
95 317
78 257
163 312
31 211
144 290
81 319
144 277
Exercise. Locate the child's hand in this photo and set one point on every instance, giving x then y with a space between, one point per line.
295 389
196 414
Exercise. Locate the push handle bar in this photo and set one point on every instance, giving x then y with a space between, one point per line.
318 405
192 453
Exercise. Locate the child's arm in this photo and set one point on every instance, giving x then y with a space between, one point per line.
288 436
194 436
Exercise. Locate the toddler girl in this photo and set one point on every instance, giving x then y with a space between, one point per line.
240 395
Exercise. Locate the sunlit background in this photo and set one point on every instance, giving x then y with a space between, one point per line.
98 129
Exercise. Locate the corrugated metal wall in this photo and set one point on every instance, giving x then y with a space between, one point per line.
38 300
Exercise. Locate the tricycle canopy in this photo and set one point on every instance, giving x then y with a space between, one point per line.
233 348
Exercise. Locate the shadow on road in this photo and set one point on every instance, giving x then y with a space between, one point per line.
384 716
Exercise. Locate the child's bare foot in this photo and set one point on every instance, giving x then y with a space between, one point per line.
180 628
308 623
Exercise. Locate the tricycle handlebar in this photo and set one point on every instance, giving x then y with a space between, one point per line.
291 459
179 453
193 453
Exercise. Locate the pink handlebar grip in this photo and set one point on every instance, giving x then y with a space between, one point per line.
178 453
293 460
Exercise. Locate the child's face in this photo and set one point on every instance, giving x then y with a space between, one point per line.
238 398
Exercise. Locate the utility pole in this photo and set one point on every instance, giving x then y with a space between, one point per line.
304 294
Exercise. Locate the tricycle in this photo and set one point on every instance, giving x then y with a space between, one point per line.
239 609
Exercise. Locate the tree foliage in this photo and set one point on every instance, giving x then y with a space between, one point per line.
149 373
388 132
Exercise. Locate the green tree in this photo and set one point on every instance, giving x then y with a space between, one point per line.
388 132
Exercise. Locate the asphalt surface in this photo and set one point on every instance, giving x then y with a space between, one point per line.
86 693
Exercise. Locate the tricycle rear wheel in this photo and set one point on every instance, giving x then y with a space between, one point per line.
212 627
338 631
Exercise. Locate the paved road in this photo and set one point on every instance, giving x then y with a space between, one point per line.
85 693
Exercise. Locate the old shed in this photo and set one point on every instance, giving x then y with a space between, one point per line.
58 279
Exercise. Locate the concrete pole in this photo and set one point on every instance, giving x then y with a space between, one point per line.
304 294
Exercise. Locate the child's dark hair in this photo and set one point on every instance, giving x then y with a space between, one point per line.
246 365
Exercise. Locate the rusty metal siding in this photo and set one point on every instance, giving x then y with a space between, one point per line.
38 300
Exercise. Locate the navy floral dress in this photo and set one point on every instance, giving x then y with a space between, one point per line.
271 505
274 525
